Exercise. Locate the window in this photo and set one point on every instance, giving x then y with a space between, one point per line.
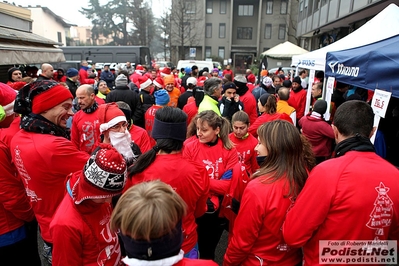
246 10
268 31
283 7
223 7
281 32
221 52
208 52
208 31
244 33
59 36
209 6
190 7
222 30
269 7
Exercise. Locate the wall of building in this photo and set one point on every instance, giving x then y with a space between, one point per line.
47 26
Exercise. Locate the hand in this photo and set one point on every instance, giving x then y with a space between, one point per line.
237 98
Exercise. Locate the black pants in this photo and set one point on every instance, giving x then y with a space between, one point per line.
210 229
24 252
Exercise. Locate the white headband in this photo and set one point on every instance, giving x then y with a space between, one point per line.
111 123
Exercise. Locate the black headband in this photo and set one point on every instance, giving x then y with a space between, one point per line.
166 130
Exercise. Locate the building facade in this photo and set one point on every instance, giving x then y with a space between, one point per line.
82 35
322 22
233 31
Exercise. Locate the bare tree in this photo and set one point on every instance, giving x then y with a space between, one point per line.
185 31
166 33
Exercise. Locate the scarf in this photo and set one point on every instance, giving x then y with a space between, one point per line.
38 124
91 109
356 143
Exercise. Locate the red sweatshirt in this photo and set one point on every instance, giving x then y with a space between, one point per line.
189 179
298 101
85 131
267 118
44 161
246 153
249 102
342 200
141 138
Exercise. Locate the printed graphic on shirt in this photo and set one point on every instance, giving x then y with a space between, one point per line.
89 134
111 238
213 168
19 164
381 215
243 155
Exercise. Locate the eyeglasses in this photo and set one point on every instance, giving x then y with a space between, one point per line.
118 126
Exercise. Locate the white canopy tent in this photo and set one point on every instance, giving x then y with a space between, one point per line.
284 51
384 25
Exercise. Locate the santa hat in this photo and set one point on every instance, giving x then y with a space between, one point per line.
139 69
109 115
144 82
169 79
7 99
103 176
158 82
165 71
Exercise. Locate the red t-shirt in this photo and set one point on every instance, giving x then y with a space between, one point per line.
140 137
246 153
85 131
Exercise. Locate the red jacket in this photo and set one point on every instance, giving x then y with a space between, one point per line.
82 236
246 153
257 235
319 133
298 101
267 118
44 161
340 201
141 138
215 159
85 132
189 180
6 134
249 102
84 77
14 204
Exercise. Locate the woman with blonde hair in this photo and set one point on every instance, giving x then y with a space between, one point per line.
149 218
216 153
267 105
257 237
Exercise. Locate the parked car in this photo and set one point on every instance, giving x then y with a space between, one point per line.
163 64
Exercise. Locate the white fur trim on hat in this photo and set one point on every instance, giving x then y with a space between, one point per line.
9 108
157 84
145 84
112 122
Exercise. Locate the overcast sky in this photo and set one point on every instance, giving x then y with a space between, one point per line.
69 9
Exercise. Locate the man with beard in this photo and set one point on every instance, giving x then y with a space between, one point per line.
297 98
114 130
85 126
41 150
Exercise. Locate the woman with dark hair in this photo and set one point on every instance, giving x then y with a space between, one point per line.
215 151
267 105
166 163
286 161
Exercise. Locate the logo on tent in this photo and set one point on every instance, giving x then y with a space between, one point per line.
332 65
344 70
306 62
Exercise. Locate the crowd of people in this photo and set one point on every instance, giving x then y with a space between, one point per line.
149 166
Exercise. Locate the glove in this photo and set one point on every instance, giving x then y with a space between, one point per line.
227 175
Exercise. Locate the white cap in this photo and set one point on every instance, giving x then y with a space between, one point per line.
192 80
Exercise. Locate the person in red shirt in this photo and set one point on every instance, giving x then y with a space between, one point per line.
161 100
215 151
267 105
246 97
81 225
165 162
42 151
15 78
149 241
228 71
297 98
244 141
138 134
85 132
257 237
84 75
59 76
341 196
319 133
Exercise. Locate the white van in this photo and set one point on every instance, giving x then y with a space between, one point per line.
199 64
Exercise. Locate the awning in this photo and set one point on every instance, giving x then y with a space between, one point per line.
19 47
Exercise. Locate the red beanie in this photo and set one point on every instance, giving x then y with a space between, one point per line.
50 98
